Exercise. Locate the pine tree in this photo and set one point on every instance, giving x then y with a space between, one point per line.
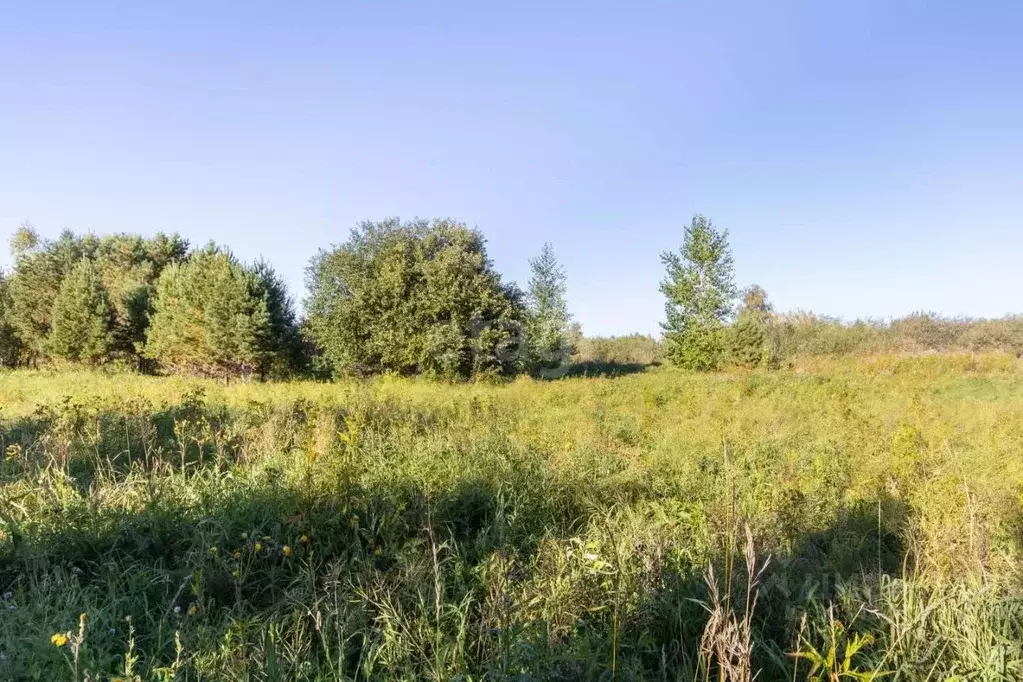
700 290
209 318
10 344
548 323
283 348
750 340
82 317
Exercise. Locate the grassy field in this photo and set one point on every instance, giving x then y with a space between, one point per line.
862 515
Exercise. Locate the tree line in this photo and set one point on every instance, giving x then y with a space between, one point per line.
407 297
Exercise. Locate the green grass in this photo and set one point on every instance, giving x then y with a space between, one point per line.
531 530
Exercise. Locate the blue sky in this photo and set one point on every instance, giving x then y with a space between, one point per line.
866 157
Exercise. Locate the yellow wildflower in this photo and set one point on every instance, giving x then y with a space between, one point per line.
194 610
304 539
237 554
59 639
259 547
286 550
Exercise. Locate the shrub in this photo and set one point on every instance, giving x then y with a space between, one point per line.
413 297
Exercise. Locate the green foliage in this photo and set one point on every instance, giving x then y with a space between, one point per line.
802 334
548 322
413 298
750 337
407 530
10 344
699 288
39 269
283 350
632 349
210 317
128 267
82 317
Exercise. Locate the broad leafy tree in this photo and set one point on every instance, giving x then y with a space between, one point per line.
700 291
82 319
413 297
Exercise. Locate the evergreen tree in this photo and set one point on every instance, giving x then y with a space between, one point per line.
209 318
700 290
39 269
283 347
128 267
10 344
548 323
82 317
413 298
750 338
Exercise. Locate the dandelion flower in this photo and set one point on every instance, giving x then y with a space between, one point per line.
304 539
259 547
237 554
286 550
194 610
245 536
59 639
177 609
376 551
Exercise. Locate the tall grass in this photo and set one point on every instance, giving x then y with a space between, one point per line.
546 530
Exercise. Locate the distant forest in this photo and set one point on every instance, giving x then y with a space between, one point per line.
411 298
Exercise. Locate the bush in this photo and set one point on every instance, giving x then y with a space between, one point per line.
633 349
414 298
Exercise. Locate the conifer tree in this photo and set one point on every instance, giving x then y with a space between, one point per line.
10 344
750 339
82 317
210 317
282 346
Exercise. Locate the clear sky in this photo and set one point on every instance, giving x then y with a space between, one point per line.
866 157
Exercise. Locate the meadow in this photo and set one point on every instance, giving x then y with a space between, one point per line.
840 519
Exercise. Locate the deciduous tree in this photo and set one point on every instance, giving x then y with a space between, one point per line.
413 297
700 290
